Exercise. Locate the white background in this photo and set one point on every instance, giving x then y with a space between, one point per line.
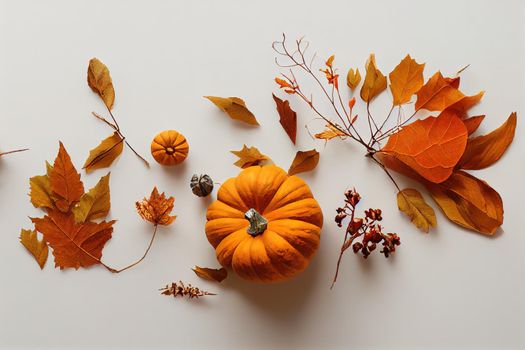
448 289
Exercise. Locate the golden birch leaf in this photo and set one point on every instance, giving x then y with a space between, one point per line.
40 191
405 80
483 151
329 133
412 203
235 108
217 275
95 204
105 153
353 78
375 81
304 161
249 157
38 249
100 82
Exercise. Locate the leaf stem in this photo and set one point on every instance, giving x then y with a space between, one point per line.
14 151
145 253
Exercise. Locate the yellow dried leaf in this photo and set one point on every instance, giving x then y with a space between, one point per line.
95 204
217 275
40 191
353 78
105 153
375 81
38 249
235 108
330 133
100 82
304 161
249 157
412 203
405 80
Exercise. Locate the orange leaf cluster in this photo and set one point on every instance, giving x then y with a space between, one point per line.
67 227
436 150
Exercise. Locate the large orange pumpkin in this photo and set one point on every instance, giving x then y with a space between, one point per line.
265 225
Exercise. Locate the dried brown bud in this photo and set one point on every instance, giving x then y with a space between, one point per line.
201 185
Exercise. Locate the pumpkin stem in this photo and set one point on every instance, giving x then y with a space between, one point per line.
258 223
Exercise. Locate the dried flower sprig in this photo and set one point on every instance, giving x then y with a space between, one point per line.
367 228
180 290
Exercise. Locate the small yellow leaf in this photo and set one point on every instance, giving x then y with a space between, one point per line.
412 203
105 153
304 161
249 157
330 133
40 191
405 80
217 275
235 108
100 82
38 249
375 81
353 78
95 204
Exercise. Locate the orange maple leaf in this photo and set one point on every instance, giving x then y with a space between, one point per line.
65 181
74 245
157 208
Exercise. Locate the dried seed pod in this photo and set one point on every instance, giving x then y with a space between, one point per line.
201 185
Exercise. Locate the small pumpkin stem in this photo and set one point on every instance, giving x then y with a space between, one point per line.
258 223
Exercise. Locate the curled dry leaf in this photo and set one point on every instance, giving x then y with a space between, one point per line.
287 117
249 157
235 108
330 133
100 82
304 161
74 245
412 203
95 204
37 248
65 181
472 124
157 208
105 153
375 81
483 151
180 290
469 202
217 275
432 146
405 80
353 78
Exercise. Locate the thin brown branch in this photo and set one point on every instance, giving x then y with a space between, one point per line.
14 151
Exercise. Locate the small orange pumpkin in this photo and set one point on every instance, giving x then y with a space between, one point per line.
169 148
265 225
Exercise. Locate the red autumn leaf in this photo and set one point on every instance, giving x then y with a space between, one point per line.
74 245
287 117
473 123
65 181
431 147
483 151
